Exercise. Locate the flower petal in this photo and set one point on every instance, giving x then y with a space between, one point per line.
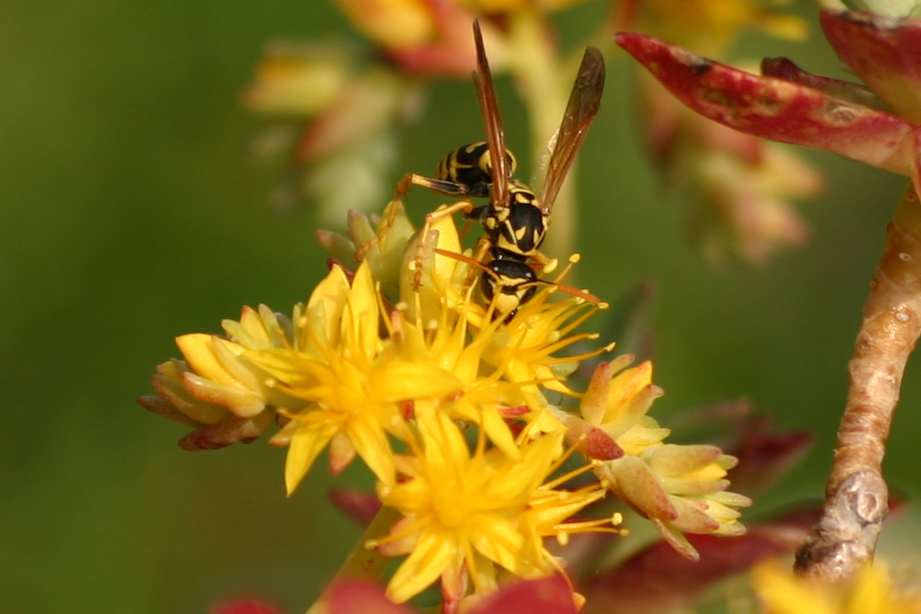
199 350
362 316
243 403
304 449
371 443
227 432
431 556
636 484
399 381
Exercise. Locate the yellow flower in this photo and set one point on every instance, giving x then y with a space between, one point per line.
381 245
484 395
709 26
440 323
872 592
681 489
617 400
394 24
216 426
219 373
216 389
508 6
351 379
298 81
475 511
216 374
524 348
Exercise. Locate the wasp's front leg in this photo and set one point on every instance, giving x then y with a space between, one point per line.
392 214
448 188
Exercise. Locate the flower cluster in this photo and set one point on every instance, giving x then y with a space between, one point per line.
372 367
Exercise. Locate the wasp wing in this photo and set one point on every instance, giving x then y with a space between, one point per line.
495 134
580 111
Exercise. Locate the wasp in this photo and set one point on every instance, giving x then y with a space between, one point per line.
515 220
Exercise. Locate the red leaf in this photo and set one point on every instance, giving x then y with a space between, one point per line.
775 109
658 579
552 595
357 505
358 597
765 456
882 51
244 605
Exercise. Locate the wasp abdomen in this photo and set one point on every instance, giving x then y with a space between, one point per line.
471 165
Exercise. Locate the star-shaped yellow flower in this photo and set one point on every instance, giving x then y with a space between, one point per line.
474 510
353 381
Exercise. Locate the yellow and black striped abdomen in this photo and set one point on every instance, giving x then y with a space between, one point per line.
470 165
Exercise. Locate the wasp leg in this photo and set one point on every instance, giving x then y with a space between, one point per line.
448 188
445 187
392 211
468 224
441 212
479 254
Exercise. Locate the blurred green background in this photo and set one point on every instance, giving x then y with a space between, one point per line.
132 212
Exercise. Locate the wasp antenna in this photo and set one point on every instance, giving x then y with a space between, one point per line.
583 294
463 258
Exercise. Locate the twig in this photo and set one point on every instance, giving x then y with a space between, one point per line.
856 498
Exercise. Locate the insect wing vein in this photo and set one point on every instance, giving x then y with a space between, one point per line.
581 109
495 136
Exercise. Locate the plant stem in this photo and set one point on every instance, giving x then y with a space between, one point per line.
856 497
363 562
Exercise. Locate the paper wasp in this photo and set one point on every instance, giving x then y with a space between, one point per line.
516 219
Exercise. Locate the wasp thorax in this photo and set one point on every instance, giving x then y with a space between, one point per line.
519 228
